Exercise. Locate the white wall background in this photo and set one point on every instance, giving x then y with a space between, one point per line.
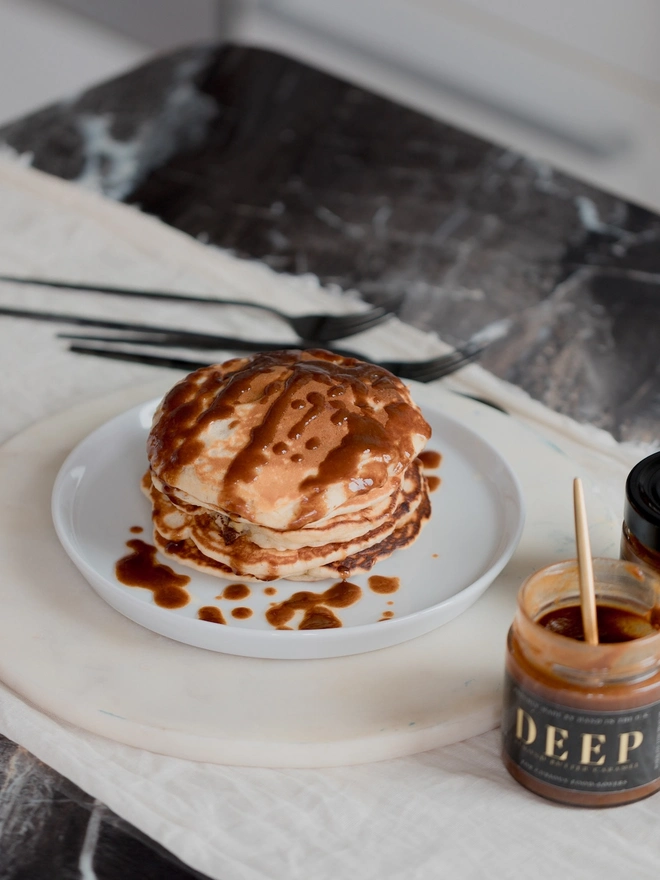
47 53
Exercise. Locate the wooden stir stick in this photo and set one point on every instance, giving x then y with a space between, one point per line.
585 566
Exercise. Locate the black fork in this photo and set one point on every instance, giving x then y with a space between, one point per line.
323 328
419 371
164 337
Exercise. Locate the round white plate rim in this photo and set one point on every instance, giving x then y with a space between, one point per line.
267 644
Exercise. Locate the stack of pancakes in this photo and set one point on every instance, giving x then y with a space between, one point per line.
287 464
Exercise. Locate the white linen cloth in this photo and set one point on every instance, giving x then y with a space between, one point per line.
451 812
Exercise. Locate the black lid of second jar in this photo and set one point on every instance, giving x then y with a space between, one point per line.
642 507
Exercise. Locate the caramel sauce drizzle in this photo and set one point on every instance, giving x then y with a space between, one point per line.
379 584
241 613
141 569
213 394
235 592
430 459
211 614
316 607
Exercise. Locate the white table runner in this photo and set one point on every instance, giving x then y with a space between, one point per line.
451 812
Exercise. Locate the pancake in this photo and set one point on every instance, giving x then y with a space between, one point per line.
199 540
288 464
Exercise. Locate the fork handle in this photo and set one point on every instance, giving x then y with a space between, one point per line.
202 342
144 294
195 341
187 337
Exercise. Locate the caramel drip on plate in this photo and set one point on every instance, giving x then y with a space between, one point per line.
316 607
140 569
211 614
241 613
235 592
430 459
380 584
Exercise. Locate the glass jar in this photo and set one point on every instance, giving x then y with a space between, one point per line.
581 723
640 539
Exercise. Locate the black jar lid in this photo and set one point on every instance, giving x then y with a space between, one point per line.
642 507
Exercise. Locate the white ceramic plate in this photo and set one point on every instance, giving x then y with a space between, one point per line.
475 527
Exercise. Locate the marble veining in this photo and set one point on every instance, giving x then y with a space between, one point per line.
162 113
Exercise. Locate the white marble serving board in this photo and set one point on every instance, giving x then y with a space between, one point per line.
72 655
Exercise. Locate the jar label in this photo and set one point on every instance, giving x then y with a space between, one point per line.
578 749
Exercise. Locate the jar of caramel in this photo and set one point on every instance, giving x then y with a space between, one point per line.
640 540
581 722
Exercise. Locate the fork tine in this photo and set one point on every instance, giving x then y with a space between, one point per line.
342 326
452 365
434 372
436 368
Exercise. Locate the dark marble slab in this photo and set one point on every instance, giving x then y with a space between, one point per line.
51 830
277 161
274 160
